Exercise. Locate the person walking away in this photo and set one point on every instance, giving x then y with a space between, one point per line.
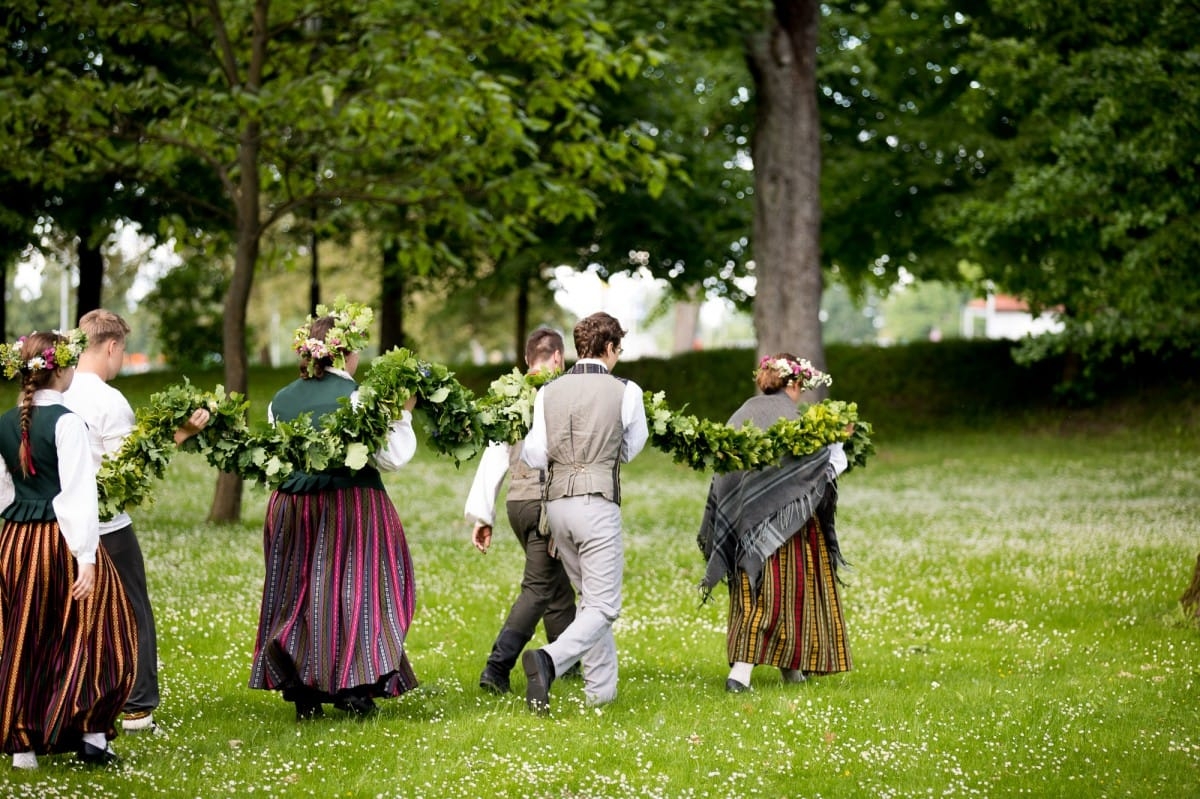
546 593
585 425
338 594
770 534
67 632
110 420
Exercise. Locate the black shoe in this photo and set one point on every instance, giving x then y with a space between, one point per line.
356 705
494 683
95 756
539 675
735 687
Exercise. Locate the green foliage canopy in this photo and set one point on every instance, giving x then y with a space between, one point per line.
1091 204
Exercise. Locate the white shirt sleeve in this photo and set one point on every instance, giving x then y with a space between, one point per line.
837 458
119 424
633 418
536 451
8 491
400 445
78 506
485 488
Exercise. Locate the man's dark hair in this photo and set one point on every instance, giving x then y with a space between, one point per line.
541 345
594 333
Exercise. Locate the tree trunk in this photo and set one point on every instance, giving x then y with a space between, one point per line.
227 502
91 274
4 301
522 321
786 150
1191 597
687 322
391 303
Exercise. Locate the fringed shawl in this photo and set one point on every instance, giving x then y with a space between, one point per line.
749 514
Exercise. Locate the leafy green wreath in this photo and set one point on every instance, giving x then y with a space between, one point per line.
455 422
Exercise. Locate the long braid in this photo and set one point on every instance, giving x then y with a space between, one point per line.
31 380
25 455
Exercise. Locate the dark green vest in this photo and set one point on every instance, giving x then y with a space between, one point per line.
33 495
320 397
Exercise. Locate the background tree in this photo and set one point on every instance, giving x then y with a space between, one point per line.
1090 204
393 99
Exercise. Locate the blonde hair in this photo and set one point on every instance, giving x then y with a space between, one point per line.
103 326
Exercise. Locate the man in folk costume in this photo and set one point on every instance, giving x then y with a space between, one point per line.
546 593
585 425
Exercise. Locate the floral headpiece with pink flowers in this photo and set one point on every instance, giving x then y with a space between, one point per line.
795 371
350 333
64 353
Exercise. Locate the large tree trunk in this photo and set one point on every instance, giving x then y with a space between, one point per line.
91 273
786 150
391 303
522 321
227 501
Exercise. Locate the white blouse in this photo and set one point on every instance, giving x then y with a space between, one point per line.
77 506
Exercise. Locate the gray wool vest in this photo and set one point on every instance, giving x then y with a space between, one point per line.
584 434
524 482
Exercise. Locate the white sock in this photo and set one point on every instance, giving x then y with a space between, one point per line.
96 739
25 760
741 672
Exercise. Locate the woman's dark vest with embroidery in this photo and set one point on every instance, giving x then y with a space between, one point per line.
33 496
320 397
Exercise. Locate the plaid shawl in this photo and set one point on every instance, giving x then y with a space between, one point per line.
749 514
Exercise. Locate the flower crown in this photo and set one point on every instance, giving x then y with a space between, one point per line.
64 353
350 333
799 371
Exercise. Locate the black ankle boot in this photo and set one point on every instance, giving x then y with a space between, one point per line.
502 659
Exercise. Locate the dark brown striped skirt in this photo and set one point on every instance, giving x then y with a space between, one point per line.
338 596
66 666
794 620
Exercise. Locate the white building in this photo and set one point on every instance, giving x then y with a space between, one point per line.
1005 316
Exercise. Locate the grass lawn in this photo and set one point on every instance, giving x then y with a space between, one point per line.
1013 618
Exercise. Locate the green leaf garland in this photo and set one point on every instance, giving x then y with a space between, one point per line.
456 423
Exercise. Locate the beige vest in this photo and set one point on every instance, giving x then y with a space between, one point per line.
584 434
524 482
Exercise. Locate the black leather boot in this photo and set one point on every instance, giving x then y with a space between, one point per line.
501 661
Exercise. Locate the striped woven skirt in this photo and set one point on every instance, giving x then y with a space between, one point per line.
66 665
794 620
338 596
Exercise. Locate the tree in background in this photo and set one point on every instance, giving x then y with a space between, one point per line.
394 101
187 303
79 178
1091 203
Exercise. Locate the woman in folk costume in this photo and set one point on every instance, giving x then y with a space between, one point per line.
770 534
68 630
339 594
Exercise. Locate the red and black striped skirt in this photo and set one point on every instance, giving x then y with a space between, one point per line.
66 665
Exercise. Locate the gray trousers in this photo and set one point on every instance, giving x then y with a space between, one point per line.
587 534
126 554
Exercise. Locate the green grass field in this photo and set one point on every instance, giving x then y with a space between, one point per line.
1012 604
